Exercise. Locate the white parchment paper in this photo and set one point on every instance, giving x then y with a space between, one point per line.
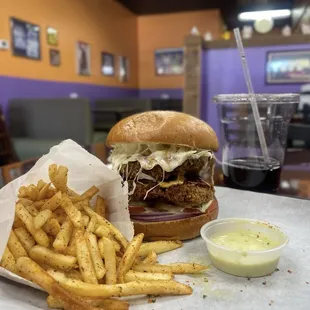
284 290
85 170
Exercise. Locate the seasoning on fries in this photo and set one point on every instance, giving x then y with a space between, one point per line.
68 247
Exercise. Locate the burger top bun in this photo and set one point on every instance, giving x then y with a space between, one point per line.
164 127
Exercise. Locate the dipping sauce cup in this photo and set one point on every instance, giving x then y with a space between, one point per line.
244 247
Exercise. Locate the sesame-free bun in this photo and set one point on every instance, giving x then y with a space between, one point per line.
183 229
164 127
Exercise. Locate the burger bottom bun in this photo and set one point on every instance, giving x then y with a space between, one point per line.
183 229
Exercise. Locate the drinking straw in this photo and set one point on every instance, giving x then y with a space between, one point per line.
248 81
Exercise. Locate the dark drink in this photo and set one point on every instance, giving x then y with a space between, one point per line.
253 174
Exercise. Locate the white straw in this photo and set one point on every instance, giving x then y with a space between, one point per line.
248 81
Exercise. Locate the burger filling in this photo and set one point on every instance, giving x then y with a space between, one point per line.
166 182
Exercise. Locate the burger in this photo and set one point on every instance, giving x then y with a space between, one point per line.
168 161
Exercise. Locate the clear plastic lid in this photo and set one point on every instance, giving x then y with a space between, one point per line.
260 98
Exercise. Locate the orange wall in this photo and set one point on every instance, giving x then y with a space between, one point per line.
167 31
104 24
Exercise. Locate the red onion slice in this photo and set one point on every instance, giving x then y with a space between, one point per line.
163 218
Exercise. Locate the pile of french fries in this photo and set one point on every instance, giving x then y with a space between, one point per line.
70 249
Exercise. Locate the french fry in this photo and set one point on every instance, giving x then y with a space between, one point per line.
32 210
51 192
25 238
22 192
80 288
129 257
99 268
52 227
176 268
39 203
74 274
85 220
41 218
102 221
43 191
53 203
85 262
54 303
63 237
102 230
18 223
60 215
108 253
100 206
146 276
8 261
107 304
92 224
159 247
46 256
71 249
152 268
33 272
59 177
180 268
15 246
150 259
25 201
80 204
40 184
87 195
32 192
38 234
73 213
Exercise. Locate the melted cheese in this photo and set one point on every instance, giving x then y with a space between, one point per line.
168 184
168 157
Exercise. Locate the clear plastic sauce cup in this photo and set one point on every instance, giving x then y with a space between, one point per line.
239 259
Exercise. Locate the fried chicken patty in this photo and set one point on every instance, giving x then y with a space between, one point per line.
189 194
190 168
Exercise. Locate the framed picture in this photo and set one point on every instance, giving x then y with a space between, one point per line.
107 64
25 39
11 172
83 58
52 36
169 61
288 67
54 57
123 68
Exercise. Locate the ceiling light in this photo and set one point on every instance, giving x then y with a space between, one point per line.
275 14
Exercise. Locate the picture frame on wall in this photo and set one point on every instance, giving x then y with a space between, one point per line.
54 56
25 38
52 36
83 58
123 68
169 61
107 64
288 67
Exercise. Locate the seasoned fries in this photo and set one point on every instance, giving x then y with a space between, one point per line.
129 257
15 246
62 241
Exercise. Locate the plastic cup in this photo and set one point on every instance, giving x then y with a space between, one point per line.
244 263
243 164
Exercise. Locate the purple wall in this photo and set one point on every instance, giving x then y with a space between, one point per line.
12 87
222 74
173 93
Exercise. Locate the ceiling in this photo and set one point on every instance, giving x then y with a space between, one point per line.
229 8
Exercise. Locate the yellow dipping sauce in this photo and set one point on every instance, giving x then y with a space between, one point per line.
244 240
239 261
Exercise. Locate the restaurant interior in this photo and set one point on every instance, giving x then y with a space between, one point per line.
72 69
